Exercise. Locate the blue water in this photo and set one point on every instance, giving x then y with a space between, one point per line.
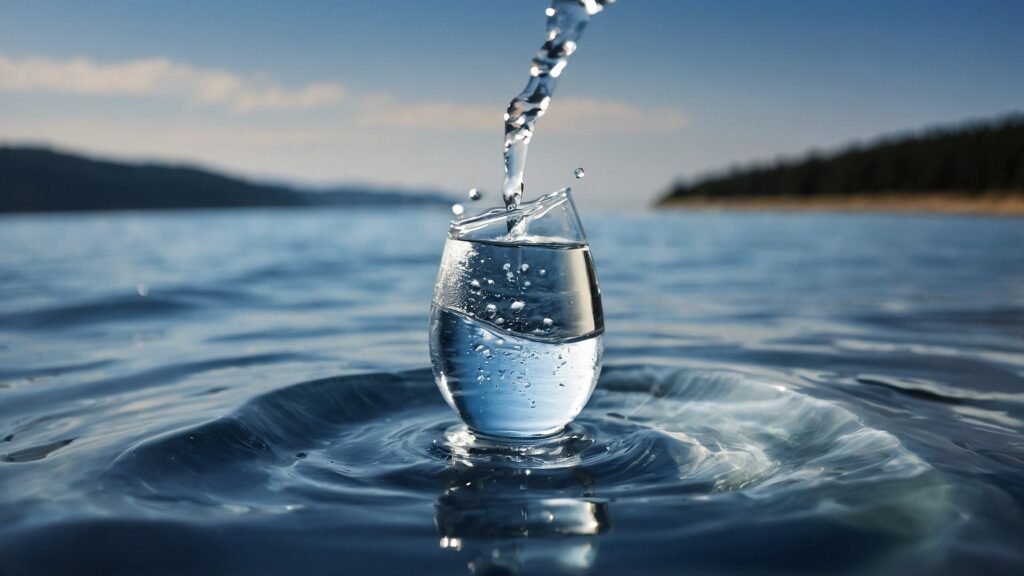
248 393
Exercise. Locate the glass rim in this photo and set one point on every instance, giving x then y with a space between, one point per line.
533 208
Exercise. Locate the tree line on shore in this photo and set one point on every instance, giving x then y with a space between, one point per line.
969 160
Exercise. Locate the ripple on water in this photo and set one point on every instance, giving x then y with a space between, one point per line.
33 453
673 454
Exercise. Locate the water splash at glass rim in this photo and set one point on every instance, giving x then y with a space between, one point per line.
550 220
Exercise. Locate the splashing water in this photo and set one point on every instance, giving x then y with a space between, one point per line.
566 21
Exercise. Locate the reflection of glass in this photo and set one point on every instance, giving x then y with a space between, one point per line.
517 329
520 508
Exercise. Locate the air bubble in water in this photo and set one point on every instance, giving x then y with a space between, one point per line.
518 305
474 194
491 308
474 283
579 173
543 272
549 322
458 209
499 321
524 267
506 266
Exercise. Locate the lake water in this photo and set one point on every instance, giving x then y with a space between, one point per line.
248 392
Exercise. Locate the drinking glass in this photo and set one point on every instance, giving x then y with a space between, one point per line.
516 325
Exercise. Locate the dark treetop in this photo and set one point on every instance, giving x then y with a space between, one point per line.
965 161
42 180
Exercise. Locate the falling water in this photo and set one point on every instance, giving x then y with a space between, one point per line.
566 21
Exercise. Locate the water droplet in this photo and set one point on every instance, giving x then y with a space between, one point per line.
480 348
142 288
474 194
549 12
518 305
548 322
458 209
491 308
524 267
543 272
579 173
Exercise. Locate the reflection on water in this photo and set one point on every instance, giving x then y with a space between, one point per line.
685 456
520 507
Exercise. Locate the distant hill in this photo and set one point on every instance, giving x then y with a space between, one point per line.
43 180
977 161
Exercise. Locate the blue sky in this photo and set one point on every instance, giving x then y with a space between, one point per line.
412 92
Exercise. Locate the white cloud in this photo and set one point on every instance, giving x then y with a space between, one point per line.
160 77
590 116
386 111
312 96
177 138
573 116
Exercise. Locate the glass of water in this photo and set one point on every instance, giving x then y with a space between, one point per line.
516 325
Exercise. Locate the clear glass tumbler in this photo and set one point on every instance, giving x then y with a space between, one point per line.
516 325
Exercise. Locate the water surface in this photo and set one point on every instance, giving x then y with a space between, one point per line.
247 392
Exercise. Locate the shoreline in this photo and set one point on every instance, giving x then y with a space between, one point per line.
986 205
